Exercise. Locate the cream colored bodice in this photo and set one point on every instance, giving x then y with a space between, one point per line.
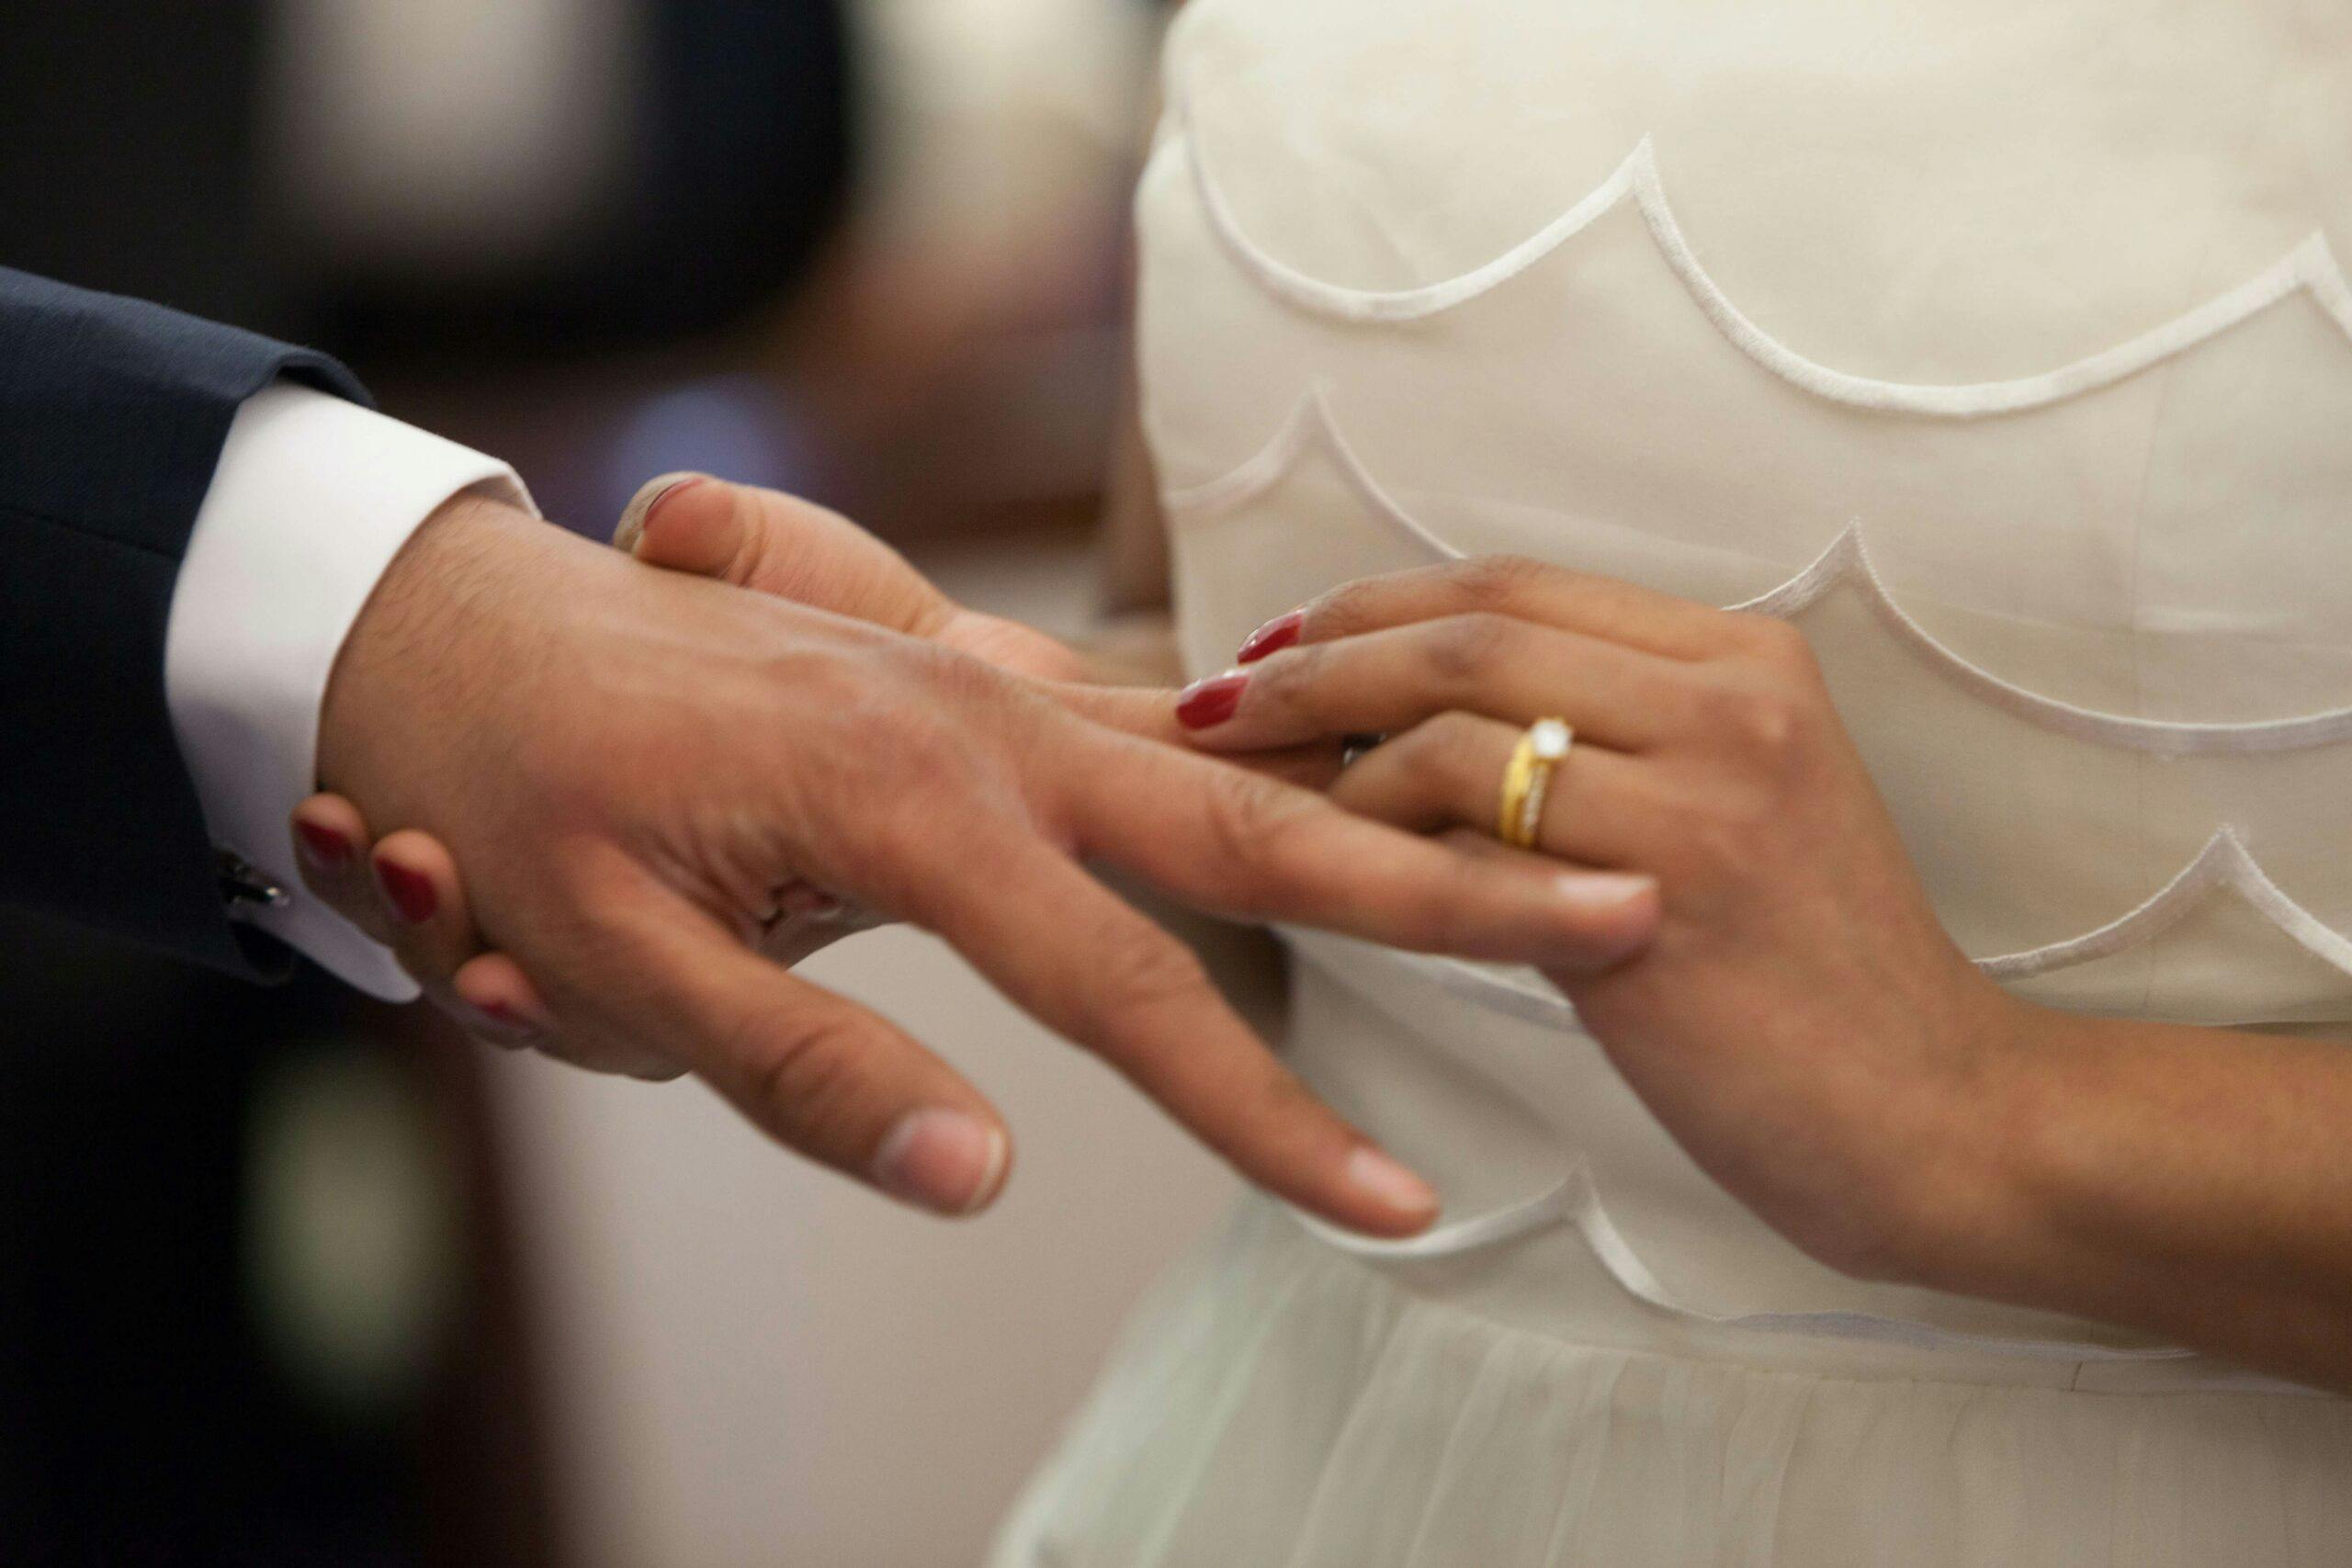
2002 345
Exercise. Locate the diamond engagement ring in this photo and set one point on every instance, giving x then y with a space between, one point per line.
1527 778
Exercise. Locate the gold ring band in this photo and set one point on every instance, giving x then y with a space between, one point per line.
1527 779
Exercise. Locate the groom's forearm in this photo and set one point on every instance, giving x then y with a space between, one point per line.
2190 1182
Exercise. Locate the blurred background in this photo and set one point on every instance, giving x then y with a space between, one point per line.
287 1276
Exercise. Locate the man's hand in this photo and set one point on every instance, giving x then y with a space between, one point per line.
632 763
410 894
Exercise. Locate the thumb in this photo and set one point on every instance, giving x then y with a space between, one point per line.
774 543
779 545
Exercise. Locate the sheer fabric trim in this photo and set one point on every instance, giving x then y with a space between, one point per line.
1574 1201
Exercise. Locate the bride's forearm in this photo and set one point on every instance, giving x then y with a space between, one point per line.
2194 1183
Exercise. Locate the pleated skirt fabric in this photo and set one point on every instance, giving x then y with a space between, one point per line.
1278 1404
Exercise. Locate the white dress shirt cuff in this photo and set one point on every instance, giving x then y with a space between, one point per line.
312 497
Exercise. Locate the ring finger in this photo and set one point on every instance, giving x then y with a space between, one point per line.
1447 771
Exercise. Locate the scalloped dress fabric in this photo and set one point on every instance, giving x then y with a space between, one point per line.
2005 349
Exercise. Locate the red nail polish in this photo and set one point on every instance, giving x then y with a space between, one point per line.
1211 701
507 1021
410 892
324 845
1272 637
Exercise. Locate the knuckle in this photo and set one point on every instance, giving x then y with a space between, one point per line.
1489 580
893 806
804 1076
1263 835
1771 641
1434 754
1286 685
1276 1105
1791 723
1140 975
1249 819
1766 725
1450 908
1462 649
1344 611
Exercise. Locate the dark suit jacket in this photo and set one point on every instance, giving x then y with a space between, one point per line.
112 415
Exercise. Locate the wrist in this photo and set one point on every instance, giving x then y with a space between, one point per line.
1975 1199
410 646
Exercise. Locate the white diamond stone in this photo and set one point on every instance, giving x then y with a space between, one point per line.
1549 740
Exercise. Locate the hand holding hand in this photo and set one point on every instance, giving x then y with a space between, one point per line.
408 891
632 763
1801 1023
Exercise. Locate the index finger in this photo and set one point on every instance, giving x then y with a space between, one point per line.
1150 714
1523 589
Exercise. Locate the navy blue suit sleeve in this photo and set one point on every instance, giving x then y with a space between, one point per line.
112 417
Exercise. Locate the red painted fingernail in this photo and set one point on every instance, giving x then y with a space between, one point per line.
410 892
1272 637
509 1023
326 848
1211 701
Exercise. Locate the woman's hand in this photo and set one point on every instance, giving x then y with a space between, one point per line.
1801 1023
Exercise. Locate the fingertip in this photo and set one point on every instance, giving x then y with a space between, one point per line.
1614 914
416 877
952 1162
331 852
1280 632
494 985
329 809
330 837
1404 1204
696 526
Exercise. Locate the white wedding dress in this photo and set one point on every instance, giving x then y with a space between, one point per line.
2003 345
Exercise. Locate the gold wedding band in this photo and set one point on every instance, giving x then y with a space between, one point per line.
1527 778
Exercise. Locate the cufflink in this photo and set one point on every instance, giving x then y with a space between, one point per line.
243 888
